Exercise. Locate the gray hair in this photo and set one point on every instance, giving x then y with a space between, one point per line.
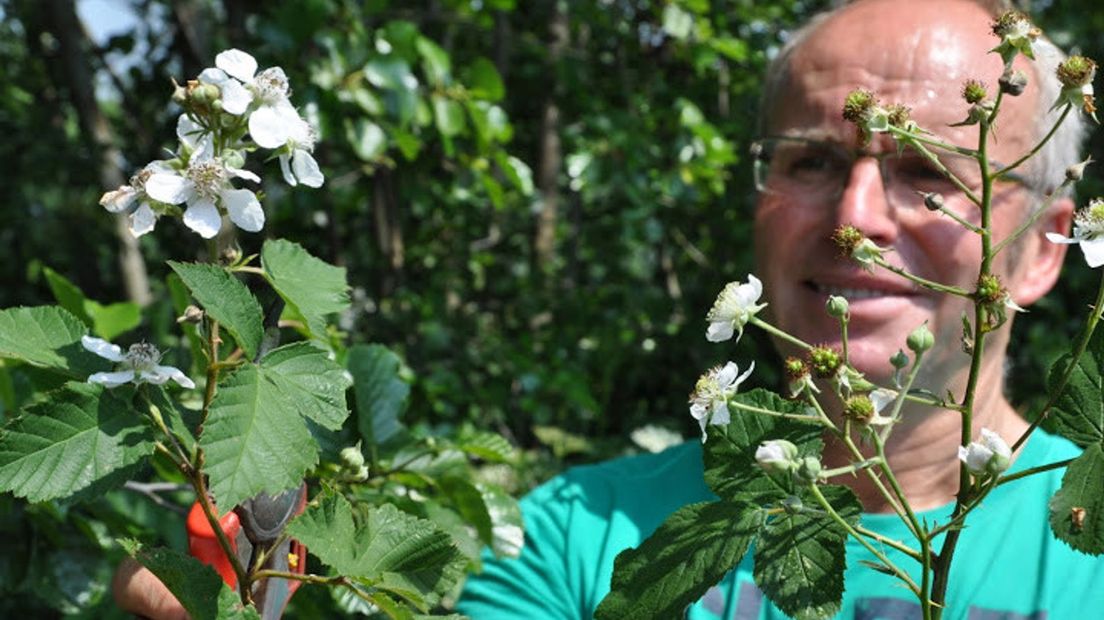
1045 171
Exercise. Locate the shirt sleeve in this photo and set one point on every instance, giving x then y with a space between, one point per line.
535 584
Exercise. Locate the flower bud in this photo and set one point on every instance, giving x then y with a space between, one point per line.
809 468
824 361
1077 171
933 201
973 91
230 256
352 458
192 314
989 457
776 455
233 158
859 409
180 94
1013 82
899 359
1076 71
920 340
837 306
989 289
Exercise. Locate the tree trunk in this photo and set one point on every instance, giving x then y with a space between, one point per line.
551 153
62 20
385 213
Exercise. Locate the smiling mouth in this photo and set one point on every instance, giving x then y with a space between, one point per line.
857 293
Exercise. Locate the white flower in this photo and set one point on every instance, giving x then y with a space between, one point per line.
133 200
139 365
1088 232
302 169
709 401
198 141
273 116
733 308
655 438
203 185
989 457
776 455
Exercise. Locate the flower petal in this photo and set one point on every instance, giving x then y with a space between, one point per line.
203 217
171 188
237 63
1054 237
268 128
120 200
244 209
1094 251
242 173
719 331
235 97
142 220
289 178
214 76
112 379
306 169
103 348
169 372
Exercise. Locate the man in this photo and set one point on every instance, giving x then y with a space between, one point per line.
918 54
1008 564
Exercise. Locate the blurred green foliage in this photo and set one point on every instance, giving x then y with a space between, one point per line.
536 203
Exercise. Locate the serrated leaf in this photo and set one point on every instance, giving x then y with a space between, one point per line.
200 590
111 320
486 445
312 380
1077 509
254 438
67 294
313 288
800 558
689 553
468 501
380 392
729 452
49 337
389 549
507 529
1078 413
78 436
226 300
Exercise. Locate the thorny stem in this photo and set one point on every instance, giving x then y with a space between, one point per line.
929 284
1032 471
336 580
932 158
1012 166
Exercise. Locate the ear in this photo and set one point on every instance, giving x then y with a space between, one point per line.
1039 261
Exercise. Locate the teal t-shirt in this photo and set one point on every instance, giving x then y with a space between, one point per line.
1008 565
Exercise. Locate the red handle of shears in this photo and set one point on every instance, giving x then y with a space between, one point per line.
204 546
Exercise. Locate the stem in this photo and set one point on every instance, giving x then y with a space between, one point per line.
850 469
790 416
1032 471
889 542
760 323
925 577
929 284
843 336
899 402
1031 221
900 574
247 269
204 499
1067 372
1031 153
934 160
155 414
337 580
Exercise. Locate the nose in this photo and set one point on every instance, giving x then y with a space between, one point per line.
864 203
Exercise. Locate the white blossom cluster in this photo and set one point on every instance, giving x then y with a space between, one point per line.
224 104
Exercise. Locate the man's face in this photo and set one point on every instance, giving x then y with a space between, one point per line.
921 60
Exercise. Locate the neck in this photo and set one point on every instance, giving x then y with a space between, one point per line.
922 451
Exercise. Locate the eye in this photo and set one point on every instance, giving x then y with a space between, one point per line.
809 163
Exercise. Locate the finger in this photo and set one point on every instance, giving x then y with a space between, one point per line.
139 591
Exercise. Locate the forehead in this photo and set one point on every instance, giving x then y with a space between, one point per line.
917 54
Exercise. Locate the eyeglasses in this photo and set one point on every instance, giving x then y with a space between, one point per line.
818 170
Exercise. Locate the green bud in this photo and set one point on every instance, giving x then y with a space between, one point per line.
824 361
973 91
352 458
795 367
809 468
932 201
920 340
837 306
192 315
859 409
1013 82
989 289
233 159
1077 171
899 359
847 238
1076 71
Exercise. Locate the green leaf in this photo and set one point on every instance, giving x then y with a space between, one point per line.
181 299
517 171
255 439
689 553
486 445
389 549
449 116
182 422
111 320
81 434
200 590
48 336
1078 413
484 81
468 501
799 557
507 528
677 22
366 138
307 376
729 453
390 73
67 294
313 288
380 392
436 61
1077 509
226 300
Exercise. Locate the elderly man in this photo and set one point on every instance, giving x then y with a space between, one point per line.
815 175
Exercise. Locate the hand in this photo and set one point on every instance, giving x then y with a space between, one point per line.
140 592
